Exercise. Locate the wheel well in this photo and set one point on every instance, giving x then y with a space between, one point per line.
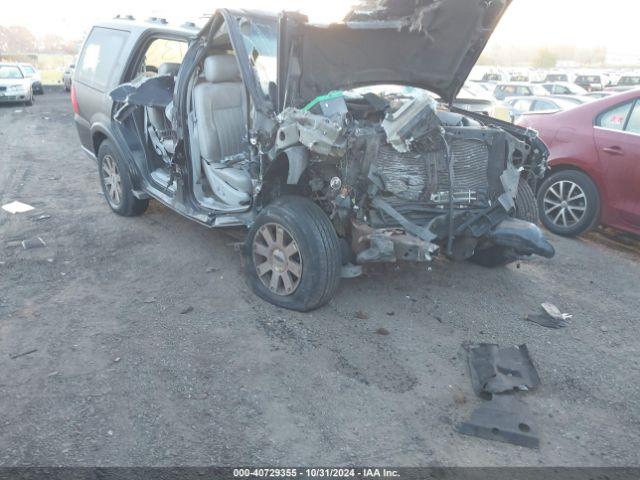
566 167
98 138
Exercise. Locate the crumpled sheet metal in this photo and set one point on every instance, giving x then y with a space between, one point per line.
504 419
319 134
499 370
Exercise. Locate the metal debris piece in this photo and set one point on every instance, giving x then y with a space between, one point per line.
554 312
546 321
496 370
361 315
504 419
42 217
189 309
17 207
31 243
382 331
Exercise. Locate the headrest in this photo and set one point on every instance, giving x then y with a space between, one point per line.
168 69
221 68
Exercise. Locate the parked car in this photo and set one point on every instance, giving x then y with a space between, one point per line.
592 82
245 130
518 106
595 165
495 77
518 89
67 77
598 95
563 88
474 98
629 81
14 86
32 72
557 77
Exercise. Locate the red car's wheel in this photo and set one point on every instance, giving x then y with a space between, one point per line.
569 203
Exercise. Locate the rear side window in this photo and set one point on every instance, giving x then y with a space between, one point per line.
101 54
633 125
615 118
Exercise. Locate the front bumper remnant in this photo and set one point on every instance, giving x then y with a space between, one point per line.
523 237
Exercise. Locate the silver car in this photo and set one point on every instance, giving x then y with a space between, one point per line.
14 85
67 76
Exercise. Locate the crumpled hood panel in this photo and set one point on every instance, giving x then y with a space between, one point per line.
429 44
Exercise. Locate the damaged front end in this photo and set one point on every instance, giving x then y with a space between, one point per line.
404 179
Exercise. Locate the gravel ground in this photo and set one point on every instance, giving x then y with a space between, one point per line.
120 376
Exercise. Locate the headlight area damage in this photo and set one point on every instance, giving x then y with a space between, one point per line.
403 180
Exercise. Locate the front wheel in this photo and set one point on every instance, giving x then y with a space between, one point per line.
116 183
293 255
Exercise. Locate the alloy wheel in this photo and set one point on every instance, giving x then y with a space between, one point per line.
112 180
277 259
565 203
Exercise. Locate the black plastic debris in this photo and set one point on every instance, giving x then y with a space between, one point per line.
31 243
500 370
504 419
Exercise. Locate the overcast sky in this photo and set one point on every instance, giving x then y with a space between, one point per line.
528 22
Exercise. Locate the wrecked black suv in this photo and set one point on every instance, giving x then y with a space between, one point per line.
325 141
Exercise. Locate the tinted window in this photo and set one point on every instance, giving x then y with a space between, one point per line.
614 119
100 56
28 71
630 81
544 105
634 120
523 91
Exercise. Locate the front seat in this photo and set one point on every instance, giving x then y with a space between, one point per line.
221 111
159 127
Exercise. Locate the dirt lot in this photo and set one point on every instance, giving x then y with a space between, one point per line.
122 377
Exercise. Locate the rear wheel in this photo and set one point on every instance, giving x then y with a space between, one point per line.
569 203
293 255
116 183
526 209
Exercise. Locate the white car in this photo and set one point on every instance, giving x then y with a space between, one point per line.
32 72
14 85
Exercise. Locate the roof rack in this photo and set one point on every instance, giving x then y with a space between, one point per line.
124 17
163 21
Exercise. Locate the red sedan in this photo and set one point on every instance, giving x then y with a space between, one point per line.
595 165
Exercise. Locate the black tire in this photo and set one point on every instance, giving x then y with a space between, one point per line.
590 208
124 203
318 251
526 209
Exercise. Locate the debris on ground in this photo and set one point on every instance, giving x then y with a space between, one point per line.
552 318
42 217
499 370
18 355
382 331
546 321
361 315
17 207
31 243
554 312
459 398
505 419
211 270
184 311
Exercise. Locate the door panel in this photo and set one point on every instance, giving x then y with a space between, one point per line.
617 138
